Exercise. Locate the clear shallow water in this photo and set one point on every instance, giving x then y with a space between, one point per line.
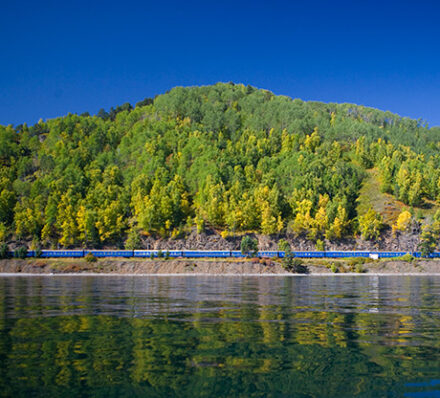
214 336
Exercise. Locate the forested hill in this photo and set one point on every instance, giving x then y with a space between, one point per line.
228 157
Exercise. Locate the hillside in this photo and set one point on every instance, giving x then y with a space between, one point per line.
228 158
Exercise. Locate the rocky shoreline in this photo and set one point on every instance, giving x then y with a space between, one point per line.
215 266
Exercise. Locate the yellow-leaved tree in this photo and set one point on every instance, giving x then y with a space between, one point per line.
370 225
339 225
403 222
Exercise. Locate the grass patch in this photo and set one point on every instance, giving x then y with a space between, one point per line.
406 257
387 205
383 203
359 269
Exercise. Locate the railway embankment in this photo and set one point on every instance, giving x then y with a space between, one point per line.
216 266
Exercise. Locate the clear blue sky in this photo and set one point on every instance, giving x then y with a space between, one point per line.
59 57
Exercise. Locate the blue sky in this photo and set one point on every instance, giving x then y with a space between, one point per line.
59 57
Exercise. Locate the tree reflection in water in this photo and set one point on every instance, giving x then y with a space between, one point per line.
218 336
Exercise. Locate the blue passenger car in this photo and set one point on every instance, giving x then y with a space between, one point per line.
309 254
62 253
358 254
237 254
173 253
206 253
144 253
339 254
110 253
269 254
390 254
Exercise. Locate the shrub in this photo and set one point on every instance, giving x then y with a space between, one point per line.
167 255
284 246
152 256
38 252
176 233
90 258
249 246
133 241
21 252
359 269
299 267
295 265
353 261
264 261
160 254
35 244
200 224
428 242
3 232
320 245
224 234
4 250
370 225
406 257
334 268
403 222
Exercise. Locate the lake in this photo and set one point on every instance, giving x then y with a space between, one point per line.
220 336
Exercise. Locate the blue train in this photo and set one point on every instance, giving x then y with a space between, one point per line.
218 254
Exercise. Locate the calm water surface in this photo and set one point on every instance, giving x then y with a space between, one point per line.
217 336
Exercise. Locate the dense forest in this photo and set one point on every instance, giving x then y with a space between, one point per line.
227 157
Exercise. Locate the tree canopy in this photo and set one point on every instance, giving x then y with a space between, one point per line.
231 157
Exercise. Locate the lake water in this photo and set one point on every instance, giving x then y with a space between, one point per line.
220 336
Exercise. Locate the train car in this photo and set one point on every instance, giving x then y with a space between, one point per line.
269 254
144 253
345 254
431 255
174 253
110 253
364 254
155 253
390 254
206 253
237 254
62 253
308 254
332 254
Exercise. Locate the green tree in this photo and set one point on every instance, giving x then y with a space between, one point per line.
133 241
249 246
428 241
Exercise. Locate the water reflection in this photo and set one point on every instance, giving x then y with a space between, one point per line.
220 336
